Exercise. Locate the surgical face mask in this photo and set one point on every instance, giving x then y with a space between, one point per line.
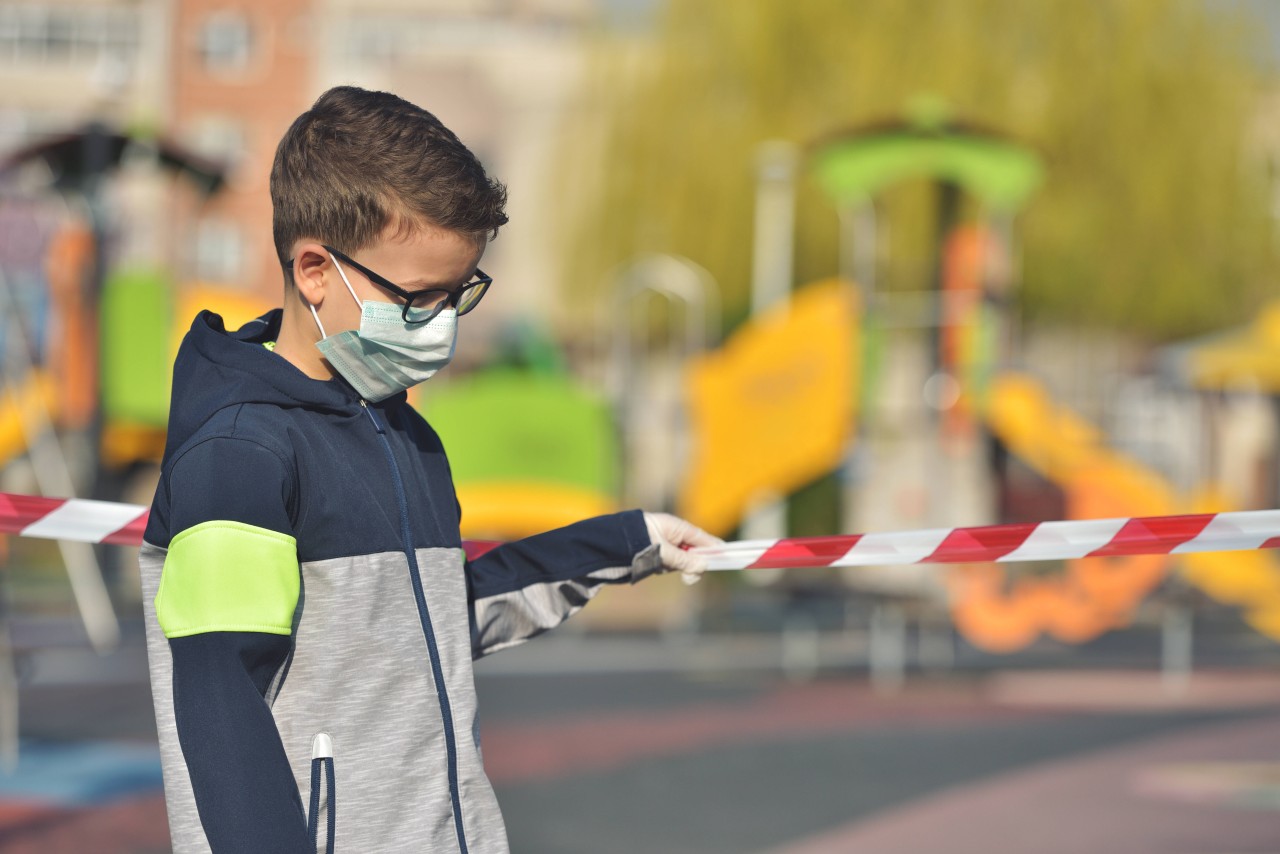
387 356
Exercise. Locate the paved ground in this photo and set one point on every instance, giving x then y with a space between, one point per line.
1203 789
642 746
805 768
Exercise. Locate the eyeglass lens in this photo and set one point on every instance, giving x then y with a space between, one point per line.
425 305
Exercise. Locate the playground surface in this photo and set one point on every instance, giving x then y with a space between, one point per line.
643 744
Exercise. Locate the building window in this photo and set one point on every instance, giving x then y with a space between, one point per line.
390 39
221 139
219 251
226 42
225 141
32 33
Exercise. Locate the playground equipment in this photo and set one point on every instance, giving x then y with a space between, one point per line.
643 383
32 395
530 451
969 390
143 318
1241 359
771 410
101 382
794 395
37 400
33 434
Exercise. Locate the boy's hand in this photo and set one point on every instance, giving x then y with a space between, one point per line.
673 535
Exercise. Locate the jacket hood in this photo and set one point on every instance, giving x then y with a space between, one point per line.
216 369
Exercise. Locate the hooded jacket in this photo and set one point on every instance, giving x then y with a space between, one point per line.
312 618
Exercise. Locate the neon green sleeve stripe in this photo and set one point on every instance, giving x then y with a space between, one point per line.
228 577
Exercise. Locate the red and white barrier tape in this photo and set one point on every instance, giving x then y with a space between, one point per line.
77 519
88 521
1206 532
108 522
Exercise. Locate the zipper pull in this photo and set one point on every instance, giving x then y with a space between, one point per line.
322 746
368 410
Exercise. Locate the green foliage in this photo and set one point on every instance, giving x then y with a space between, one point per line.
1155 213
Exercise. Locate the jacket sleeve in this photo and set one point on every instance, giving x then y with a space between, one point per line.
520 589
227 597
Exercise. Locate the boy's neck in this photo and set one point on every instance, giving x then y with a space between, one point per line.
297 343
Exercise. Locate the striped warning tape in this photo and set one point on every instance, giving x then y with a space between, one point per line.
108 522
1206 532
88 521
77 519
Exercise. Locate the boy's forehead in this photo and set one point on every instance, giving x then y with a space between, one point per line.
426 255
415 233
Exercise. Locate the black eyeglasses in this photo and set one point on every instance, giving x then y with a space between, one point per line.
429 302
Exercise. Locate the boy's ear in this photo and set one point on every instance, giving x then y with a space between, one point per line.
311 263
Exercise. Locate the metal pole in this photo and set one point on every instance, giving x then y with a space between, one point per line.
1176 647
684 286
936 646
801 655
773 246
888 651
772 258
858 263
1001 286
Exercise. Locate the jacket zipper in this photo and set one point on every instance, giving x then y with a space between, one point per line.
322 762
424 617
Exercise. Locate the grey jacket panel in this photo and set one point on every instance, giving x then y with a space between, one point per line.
509 619
179 799
360 673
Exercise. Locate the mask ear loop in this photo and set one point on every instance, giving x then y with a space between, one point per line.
311 306
347 282
350 290
323 334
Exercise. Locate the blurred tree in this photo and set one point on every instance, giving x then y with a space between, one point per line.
1156 215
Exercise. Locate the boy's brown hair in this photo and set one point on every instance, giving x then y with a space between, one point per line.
358 161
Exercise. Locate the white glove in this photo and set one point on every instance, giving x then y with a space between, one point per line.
673 535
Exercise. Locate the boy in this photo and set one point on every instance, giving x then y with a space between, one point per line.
314 619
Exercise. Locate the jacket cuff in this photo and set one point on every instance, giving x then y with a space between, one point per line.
646 559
